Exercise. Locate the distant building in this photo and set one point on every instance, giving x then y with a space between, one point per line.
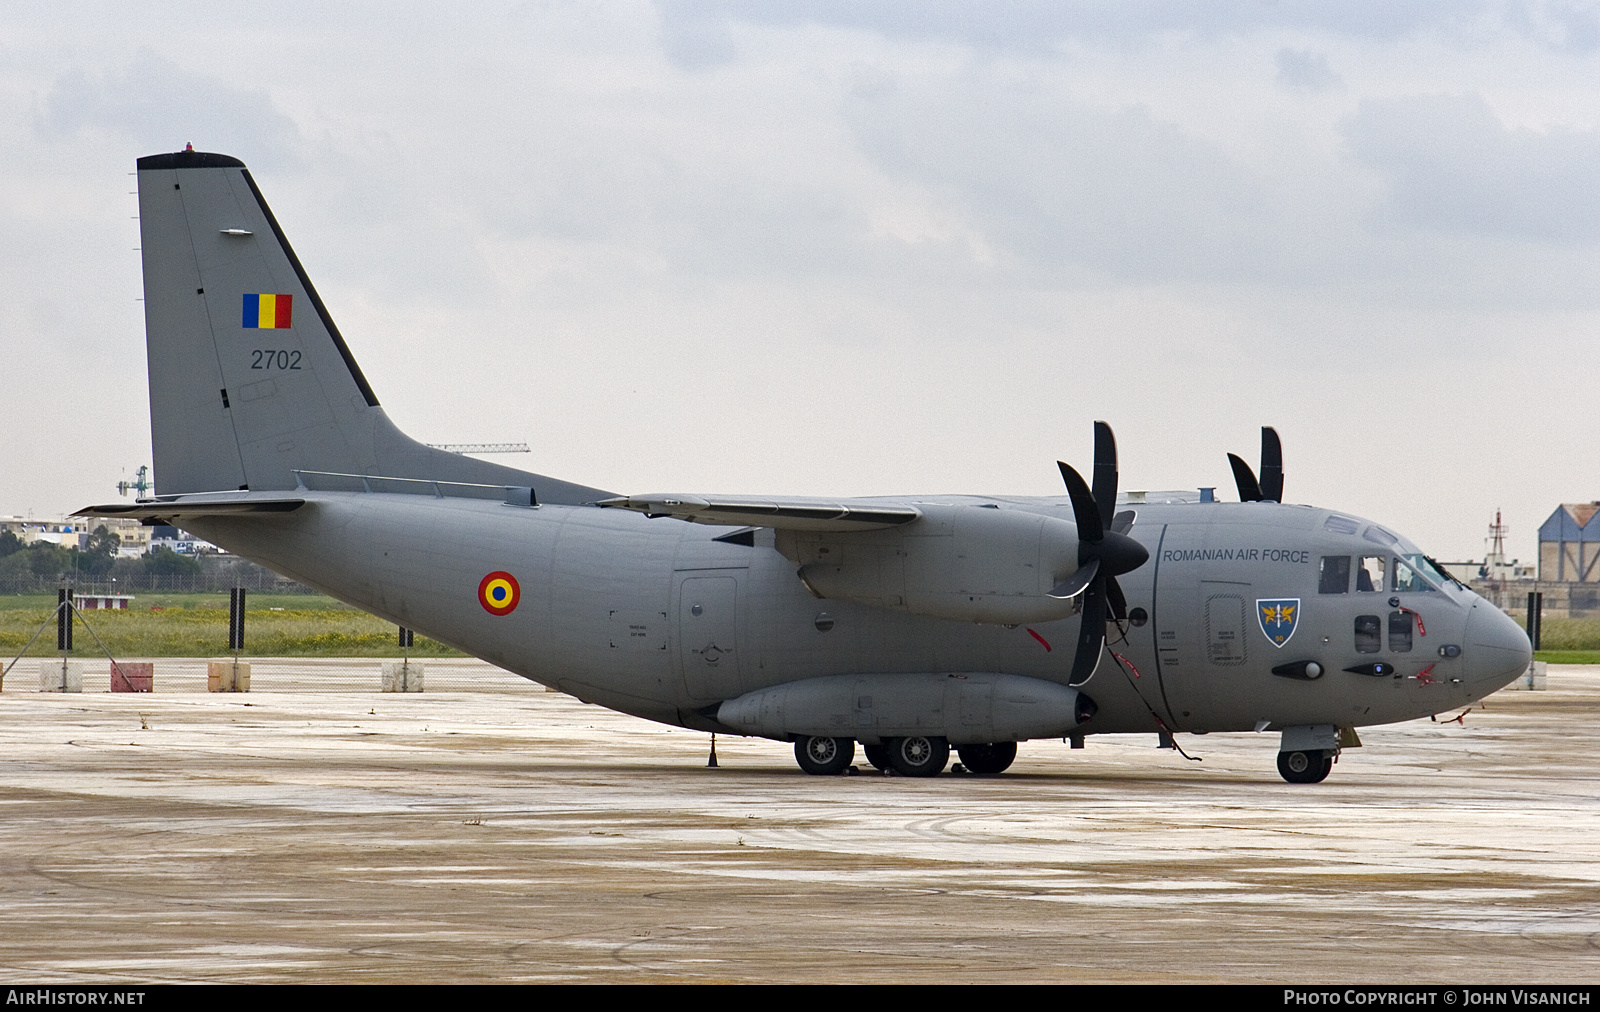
73 532
1569 553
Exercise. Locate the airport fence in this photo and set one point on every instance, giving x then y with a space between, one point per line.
208 581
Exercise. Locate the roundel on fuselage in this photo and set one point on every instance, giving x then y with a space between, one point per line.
499 593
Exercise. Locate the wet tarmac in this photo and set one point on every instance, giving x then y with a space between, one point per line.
315 830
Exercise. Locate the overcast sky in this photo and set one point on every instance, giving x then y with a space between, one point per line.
847 248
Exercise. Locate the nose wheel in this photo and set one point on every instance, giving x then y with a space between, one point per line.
1308 767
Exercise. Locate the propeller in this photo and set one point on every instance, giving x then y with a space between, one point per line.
1104 552
1270 488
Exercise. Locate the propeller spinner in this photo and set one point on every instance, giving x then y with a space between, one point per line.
1270 488
1104 552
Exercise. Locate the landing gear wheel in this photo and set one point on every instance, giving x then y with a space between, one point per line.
824 756
919 755
878 756
1310 767
987 760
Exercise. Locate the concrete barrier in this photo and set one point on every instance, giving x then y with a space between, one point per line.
401 676
228 676
133 676
60 676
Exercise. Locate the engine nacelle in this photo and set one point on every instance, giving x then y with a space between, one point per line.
967 708
968 563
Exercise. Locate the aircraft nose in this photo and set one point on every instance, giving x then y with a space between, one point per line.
1498 649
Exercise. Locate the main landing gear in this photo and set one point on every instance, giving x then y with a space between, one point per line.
916 756
1311 766
913 756
988 760
824 756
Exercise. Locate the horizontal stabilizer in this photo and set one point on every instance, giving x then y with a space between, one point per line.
791 514
193 506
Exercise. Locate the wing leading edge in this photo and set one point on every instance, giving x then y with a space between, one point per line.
791 514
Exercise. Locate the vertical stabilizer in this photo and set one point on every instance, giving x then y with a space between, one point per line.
249 378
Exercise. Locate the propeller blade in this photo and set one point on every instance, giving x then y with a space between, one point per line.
1271 465
1115 601
1245 478
1105 472
1123 523
1074 585
1091 634
1084 509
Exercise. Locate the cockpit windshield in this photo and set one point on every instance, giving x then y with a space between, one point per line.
1414 573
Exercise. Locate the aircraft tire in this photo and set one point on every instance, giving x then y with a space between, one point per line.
1310 767
878 756
988 760
919 755
822 756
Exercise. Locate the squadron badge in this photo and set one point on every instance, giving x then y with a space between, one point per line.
1278 618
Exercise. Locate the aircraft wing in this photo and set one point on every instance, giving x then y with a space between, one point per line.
781 513
201 505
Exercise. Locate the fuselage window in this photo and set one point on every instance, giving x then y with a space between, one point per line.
1369 576
1399 631
1408 575
1369 634
1335 577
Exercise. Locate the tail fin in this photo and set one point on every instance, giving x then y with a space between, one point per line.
249 378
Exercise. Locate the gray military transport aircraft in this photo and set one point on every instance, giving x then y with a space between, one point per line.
907 624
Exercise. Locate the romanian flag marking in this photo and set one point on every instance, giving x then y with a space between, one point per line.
499 593
267 312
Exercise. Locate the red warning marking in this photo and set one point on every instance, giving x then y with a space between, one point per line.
1421 629
1041 639
1127 662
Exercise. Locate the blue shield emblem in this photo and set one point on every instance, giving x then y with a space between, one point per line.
1278 618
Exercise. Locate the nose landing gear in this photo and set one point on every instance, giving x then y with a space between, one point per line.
1310 766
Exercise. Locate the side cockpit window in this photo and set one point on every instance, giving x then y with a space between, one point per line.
1370 573
1334 577
1369 634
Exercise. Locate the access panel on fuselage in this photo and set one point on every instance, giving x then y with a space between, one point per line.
708 635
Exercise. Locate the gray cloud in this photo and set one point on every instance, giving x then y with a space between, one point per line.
1043 24
1304 70
1452 166
160 106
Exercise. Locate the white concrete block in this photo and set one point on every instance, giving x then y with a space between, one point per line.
60 676
401 676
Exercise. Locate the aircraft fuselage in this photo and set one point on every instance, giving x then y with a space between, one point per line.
659 619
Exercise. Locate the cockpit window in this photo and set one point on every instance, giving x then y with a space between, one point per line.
1335 575
1370 574
1408 578
1379 536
